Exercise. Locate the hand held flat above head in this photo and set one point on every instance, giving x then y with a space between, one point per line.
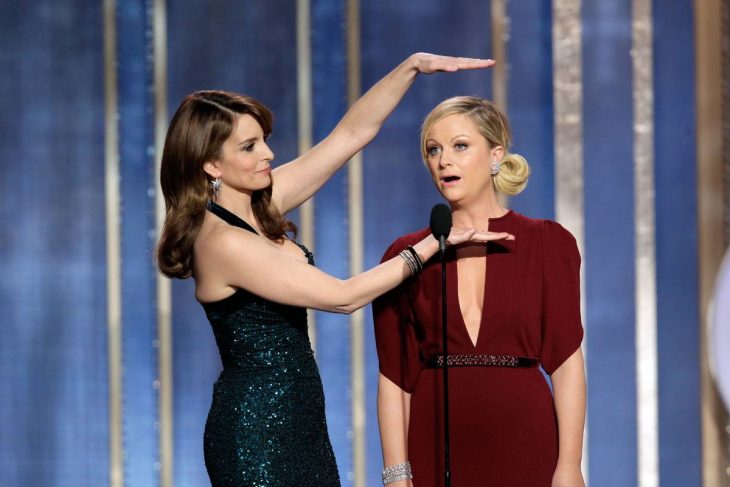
430 63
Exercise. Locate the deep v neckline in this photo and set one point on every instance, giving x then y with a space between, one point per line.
455 295
453 289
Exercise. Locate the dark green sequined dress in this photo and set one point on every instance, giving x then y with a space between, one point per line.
266 425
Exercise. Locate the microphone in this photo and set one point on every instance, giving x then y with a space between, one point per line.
441 224
440 229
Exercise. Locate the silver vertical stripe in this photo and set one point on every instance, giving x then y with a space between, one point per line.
355 201
568 100
304 118
568 103
164 291
499 28
646 319
113 246
500 25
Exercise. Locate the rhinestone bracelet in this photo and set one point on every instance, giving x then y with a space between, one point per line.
396 473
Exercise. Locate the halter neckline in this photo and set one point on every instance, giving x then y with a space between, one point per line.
229 217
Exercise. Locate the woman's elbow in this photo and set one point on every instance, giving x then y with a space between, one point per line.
339 306
347 309
344 301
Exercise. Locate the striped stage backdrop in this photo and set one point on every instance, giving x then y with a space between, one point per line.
107 368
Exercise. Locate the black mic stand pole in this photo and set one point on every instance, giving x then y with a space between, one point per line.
447 453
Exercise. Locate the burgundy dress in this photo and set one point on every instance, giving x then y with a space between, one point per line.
503 427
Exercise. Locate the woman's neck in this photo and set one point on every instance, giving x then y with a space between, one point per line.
476 214
239 204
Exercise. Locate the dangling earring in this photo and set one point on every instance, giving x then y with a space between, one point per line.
495 167
215 186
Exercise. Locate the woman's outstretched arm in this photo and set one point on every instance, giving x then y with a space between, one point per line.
233 258
298 180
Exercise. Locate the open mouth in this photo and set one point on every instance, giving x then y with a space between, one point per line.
450 179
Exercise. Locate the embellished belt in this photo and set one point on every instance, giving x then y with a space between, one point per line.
482 360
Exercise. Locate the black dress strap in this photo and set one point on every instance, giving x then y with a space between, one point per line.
307 253
229 217
237 221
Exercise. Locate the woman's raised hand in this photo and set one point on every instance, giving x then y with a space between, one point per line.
465 235
430 63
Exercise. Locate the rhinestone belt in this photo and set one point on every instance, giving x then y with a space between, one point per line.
482 360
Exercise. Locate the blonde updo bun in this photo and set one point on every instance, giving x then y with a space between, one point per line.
494 127
512 176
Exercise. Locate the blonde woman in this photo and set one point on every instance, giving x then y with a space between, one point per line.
513 305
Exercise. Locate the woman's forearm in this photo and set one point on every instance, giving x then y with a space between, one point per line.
569 389
364 119
394 405
361 289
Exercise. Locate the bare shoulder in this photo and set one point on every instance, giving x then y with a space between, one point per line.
218 240
219 246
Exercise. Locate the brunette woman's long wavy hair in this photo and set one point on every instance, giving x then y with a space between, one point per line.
200 126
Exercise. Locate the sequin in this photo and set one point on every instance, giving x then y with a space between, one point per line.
266 426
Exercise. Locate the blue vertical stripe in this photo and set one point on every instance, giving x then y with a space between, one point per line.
329 91
136 169
54 421
530 102
250 50
398 191
609 242
680 442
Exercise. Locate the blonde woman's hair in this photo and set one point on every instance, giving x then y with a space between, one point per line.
493 125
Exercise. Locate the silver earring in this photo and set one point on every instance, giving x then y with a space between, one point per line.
495 167
215 185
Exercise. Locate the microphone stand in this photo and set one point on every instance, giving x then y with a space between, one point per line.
447 453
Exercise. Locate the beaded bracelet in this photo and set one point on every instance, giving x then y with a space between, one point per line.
396 473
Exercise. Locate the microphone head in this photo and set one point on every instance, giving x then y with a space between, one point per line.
440 221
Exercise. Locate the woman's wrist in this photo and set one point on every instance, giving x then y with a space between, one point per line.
568 463
397 473
426 248
413 62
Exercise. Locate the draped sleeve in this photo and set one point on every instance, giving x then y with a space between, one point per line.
395 333
562 331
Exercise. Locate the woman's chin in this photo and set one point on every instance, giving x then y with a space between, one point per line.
254 186
452 195
263 182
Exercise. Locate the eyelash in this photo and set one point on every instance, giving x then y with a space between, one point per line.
248 148
431 150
